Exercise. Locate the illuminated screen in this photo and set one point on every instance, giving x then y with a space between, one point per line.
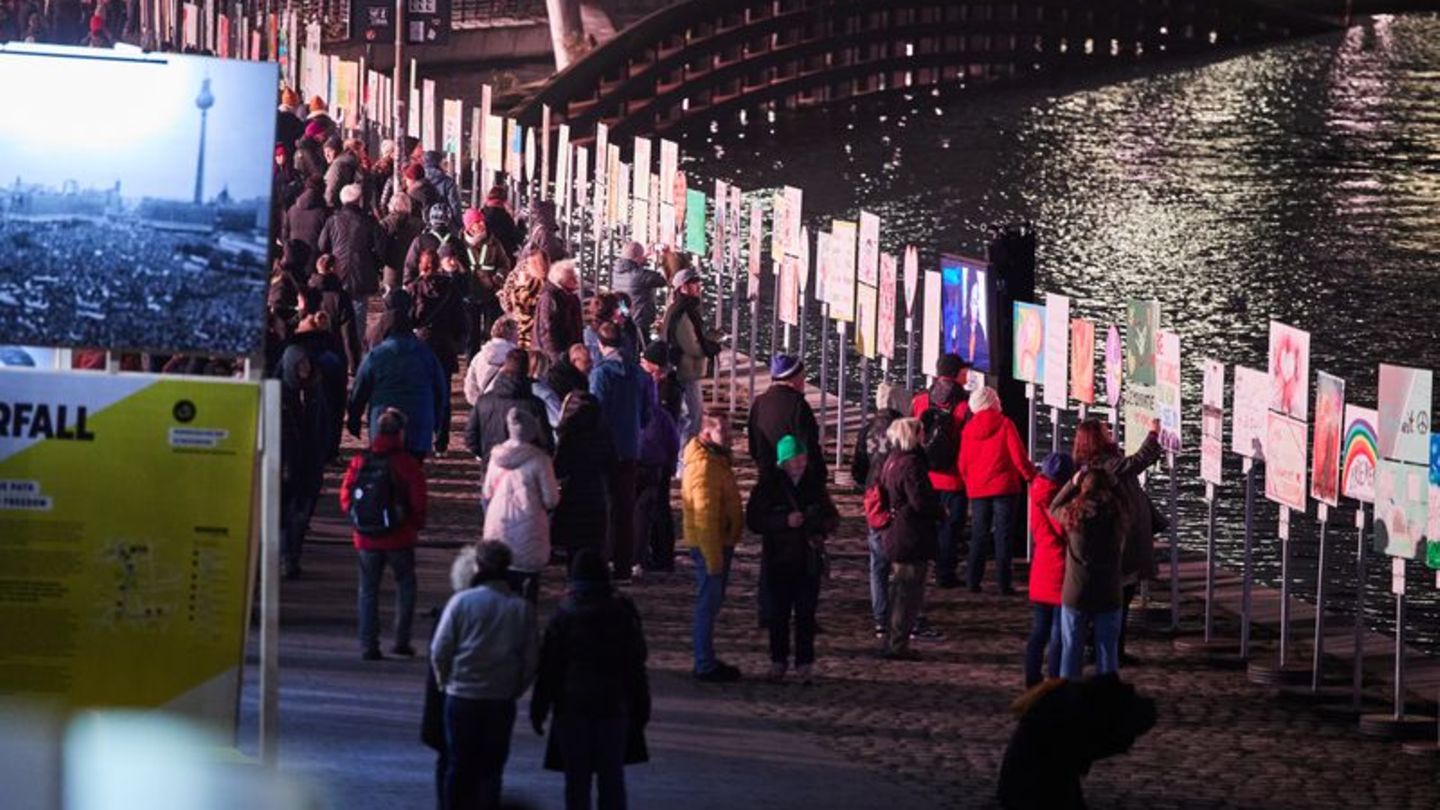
965 310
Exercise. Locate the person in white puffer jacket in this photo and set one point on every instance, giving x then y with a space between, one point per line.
519 493
486 363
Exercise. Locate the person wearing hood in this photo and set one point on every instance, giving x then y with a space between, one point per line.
487 427
544 235
354 238
395 548
631 277
690 347
714 523
439 308
519 493
571 372
344 169
487 362
306 219
499 222
521 295
338 305
872 445
1047 571
625 405
438 232
401 372
605 308
489 265
659 452
947 396
592 679
449 191
909 542
585 460
994 467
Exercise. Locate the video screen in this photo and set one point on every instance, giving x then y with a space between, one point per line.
139 218
965 309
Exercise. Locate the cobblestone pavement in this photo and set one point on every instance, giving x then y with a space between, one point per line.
937 728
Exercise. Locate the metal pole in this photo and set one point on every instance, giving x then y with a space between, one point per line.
1400 655
270 576
824 368
1209 559
1174 542
804 322
865 397
1249 465
1319 653
774 311
735 304
910 351
754 329
1031 427
840 395
1284 584
402 155
1358 663
1054 430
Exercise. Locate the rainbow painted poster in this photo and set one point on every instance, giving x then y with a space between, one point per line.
1358 459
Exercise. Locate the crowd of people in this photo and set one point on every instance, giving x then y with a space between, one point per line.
585 406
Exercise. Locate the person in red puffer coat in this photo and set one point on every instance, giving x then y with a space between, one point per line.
395 548
1047 570
994 469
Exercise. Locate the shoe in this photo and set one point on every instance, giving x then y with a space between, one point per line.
776 673
722 673
372 654
906 654
403 650
926 633
806 674
1128 660
880 631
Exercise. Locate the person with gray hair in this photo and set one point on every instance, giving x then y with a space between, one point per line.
519 494
631 277
484 655
911 540
871 447
486 364
354 238
559 315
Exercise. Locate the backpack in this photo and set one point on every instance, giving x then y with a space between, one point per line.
377 503
942 439
878 513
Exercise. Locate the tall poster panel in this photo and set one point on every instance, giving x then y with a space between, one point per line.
841 284
126 501
1114 366
1252 398
1057 350
912 277
866 304
1029 355
1325 452
930 319
885 337
1082 360
1212 421
1402 472
868 270
1285 460
1361 454
1289 371
1142 330
1167 389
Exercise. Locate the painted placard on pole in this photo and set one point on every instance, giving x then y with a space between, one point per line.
427 113
757 230
494 137
641 165
866 303
1325 450
529 154
803 278
669 165
789 304
1082 361
695 222
562 169
1212 421
1361 454
1114 366
1285 461
1167 389
868 271
454 124
1057 350
840 286
1290 371
885 325
930 330
790 227
1252 398
1028 363
718 221
1401 477
912 277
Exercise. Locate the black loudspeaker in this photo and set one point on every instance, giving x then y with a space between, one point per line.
1010 249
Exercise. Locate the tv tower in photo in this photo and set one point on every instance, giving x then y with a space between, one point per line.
204 101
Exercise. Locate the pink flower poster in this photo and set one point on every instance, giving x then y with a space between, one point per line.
1289 371
1029 359
1285 461
1114 358
1325 456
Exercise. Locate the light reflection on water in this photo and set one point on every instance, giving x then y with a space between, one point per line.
1300 183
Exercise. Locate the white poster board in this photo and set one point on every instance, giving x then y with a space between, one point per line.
1057 350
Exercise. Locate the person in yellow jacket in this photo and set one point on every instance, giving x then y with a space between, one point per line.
713 523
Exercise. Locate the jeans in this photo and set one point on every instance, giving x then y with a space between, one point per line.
709 595
879 579
792 591
1128 595
592 746
694 407
992 523
951 527
477 738
362 314
1044 630
372 567
1074 625
907 592
622 518
298 498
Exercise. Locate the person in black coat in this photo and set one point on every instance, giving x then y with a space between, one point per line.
911 540
592 678
354 238
499 222
559 316
571 372
306 219
438 309
486 428
337 305
584 461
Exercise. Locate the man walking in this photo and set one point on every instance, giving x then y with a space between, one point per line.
943 412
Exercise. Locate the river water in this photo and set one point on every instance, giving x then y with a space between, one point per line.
1300 182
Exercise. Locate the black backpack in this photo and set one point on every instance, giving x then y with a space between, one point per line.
942 439
377 502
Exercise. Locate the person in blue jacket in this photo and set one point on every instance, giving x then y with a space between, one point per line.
402 372
625 402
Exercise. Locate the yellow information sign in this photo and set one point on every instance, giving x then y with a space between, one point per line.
125 526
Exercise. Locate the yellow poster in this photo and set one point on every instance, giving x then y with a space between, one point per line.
125 525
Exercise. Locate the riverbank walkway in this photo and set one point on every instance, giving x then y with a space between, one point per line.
869 733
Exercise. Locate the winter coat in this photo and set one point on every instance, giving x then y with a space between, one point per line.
402 372
711 500
489 264
400 233
684 331
946 394
288 129
625 403
544 235
779 412
559 321
993 461
913 535
487 429
484 366
429 239
1047 566
771 502
1094 582
337 304
640 283
871 447
519 297
499 224
342 172
1139 560
486 646
519 493
305 221
584 461
439 316
310 159
660 440
310 407
563 377
410 480
592 664
444 184
354 238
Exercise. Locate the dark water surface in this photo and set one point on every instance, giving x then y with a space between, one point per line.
1300 182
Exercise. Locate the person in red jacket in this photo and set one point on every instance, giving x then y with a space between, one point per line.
947 393
993 469
1047 570
396 547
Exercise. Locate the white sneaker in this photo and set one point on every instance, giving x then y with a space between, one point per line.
777 672
806 673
